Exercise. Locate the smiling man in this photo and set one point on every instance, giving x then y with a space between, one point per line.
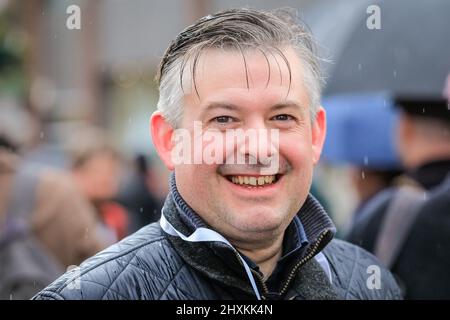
242 90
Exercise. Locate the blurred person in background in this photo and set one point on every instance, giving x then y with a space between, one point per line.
408 228
369 183
96 167
46 225
137 196
360 145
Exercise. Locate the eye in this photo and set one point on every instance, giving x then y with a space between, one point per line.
223 119
282 117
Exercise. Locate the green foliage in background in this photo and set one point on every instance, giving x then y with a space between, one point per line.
12 53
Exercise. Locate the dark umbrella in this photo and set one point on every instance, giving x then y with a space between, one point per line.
409 54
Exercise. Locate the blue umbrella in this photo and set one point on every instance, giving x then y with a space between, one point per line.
361 130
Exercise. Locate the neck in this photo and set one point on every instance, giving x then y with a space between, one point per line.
415 160
265 255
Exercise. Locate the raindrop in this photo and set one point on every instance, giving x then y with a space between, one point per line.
363 175
359 66
41 135
141 209
395 73
425 196
366 160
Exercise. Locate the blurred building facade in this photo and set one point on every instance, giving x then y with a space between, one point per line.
104 72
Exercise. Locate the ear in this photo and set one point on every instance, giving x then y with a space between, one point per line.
319 131
404 133
405 127
161 132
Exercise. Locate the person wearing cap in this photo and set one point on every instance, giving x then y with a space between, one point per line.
233 229
408 226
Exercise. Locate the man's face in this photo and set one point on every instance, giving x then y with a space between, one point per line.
99 177
217 192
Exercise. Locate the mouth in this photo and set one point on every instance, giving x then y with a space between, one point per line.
254 181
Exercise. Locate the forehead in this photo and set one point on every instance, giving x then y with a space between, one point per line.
257 75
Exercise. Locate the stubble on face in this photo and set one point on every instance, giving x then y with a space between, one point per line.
237 213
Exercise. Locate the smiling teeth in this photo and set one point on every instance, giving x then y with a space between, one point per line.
253 181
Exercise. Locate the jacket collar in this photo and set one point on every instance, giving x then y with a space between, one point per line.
219 262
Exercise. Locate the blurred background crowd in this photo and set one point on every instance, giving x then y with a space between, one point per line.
78 171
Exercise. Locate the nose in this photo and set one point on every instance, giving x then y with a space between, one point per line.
260 145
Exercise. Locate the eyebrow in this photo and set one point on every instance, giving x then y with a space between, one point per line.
287 104
218 105
233 107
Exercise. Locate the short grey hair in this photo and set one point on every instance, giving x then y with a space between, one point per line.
236 29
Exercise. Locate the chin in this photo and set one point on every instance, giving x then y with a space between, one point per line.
259 221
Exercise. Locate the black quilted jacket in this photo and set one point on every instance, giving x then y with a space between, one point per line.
151 264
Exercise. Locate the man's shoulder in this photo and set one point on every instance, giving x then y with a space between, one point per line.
367 219
358 274
375 206
121 271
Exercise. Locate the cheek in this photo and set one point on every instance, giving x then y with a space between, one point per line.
112 184
194 179
93 184
106 181
297 150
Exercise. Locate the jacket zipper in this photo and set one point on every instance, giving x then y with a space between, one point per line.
310 254
260 278
263 284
